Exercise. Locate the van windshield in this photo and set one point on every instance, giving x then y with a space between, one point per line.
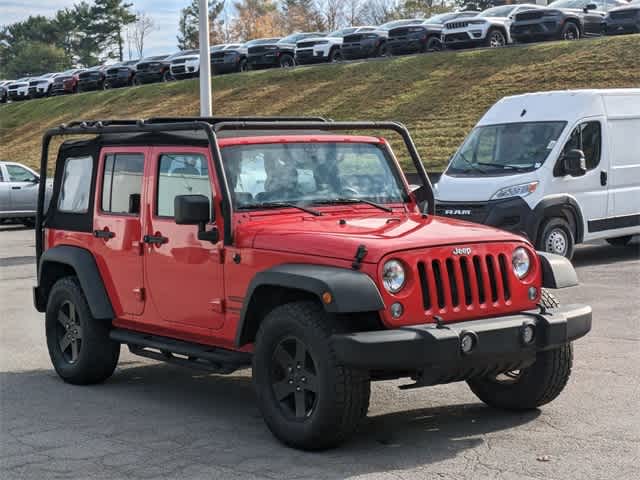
506 148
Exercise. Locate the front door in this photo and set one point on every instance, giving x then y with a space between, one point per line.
118 228
593 18
184 275
23 188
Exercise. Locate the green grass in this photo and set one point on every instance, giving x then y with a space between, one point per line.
439 96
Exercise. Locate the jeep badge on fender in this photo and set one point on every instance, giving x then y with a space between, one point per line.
220 243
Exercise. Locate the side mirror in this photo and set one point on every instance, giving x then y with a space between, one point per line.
35 180
590 6
195 210
574 163
420 194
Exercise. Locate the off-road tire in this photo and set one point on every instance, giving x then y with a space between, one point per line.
537 384
620 241
342 393
559 227
97 355
570 31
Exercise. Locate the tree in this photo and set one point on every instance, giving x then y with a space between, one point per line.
189 26
109 20
137 33
333 13
301 16
377 12
35 58
256 19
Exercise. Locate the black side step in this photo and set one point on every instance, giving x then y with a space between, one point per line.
187 354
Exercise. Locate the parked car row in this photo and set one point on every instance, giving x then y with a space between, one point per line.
494 27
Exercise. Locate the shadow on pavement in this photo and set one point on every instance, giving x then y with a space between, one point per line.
159 415
604 254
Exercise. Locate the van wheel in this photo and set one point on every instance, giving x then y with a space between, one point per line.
570 31
495 38
557 237
620 241
79 345
307 399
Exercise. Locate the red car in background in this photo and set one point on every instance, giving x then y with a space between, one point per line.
66 82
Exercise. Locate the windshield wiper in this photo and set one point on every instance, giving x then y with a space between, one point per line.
472 166
354 200
503 166
280 205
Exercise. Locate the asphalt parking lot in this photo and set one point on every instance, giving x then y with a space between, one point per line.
152 420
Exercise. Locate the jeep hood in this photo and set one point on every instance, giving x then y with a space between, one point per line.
339 236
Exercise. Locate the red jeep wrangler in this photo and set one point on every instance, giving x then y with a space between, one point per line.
290 247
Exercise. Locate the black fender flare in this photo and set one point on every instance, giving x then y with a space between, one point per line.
557 271
350 291
556 206
82 262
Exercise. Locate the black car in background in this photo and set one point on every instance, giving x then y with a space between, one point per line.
625 19
157 69
230 58
562 20
121 74
371 44
277 52
423 36
4 93
93 78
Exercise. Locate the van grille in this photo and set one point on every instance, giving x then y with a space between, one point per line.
464 281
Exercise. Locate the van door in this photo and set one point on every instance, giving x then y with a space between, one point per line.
591 189
624 177
118 226
184 274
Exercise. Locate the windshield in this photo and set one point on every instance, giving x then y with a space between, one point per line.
498 12
400 23
570 4
262 41
342 33
506 148
311 173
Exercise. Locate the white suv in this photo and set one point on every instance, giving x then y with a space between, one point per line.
325 49
490 28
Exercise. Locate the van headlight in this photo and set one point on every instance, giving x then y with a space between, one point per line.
521 262
521 190
393 276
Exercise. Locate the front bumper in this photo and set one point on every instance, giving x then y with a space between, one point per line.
412 44
464 39
118 80
352 51
308 56
536 30
89 85
150 76
621 27
18 94
436 351
263 60
38 92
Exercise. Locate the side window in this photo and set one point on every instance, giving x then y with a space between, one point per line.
181 174
122 183
76 185
19 174
586 137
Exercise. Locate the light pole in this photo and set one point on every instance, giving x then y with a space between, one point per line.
205 61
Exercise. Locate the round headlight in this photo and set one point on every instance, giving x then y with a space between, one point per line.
393 276
521 262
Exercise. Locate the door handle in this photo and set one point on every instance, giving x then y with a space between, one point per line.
15 188
105 234
155 239
603 178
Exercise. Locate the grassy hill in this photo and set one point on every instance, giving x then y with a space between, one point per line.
439 96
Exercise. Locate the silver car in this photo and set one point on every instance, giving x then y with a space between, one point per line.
19 193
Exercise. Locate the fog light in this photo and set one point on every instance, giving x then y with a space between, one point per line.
528 334
533 293
468 341
397 310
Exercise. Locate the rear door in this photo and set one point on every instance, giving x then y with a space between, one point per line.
184 275
118 226
23 188
5 191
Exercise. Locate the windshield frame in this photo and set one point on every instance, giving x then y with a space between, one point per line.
506 171
390 162
486 13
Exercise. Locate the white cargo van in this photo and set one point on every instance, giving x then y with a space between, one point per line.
560 167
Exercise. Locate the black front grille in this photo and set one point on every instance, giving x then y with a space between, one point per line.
464 281
307 44
454 25
456 37
624 14
352 38
258 49
532 15
217 55
469 212
179 69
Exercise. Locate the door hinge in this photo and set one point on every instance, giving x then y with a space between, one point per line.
217 305
139 293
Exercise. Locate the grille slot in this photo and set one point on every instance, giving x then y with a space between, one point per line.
464 281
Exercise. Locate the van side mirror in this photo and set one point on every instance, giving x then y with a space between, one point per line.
574 163
195 210
590 6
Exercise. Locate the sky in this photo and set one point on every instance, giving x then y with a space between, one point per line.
165 14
